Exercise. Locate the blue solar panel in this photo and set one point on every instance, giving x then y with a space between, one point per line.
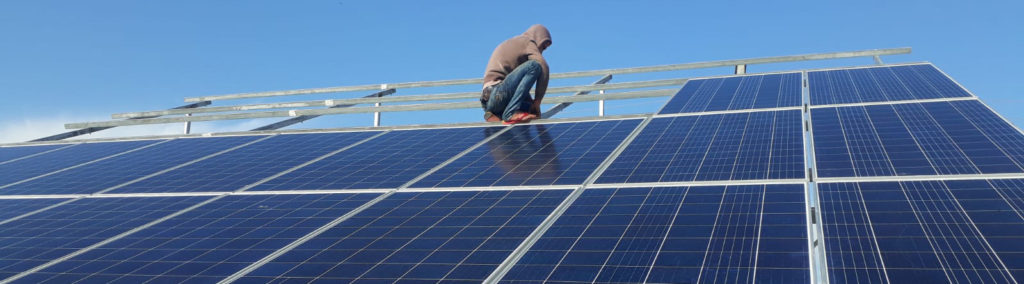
240 167
738 146
11 153
110 172
39 238
387 161
45 163
538 154
708 234
955 231
733 93
959 137
879 84
426 237
10 208
206 244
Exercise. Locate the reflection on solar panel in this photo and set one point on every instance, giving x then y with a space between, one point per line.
56 232
959 137
879 84
924 231
539 154
123 168
240 167
11 153
426 236
738 146
734 93
387 161
45 163
712 234
10 208
206 244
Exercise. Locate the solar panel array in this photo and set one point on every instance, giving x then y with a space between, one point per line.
884 174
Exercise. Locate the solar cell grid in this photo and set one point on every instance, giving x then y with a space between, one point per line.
387 161
205 244
11 153
45 163
923 231
39 238
10 208
737 146
110 172
241 167
537 154
877 84
453 236
716 234
946 138
735 93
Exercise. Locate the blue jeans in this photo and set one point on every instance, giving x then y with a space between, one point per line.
512 95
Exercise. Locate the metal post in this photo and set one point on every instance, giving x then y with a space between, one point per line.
741 69
878 60
376 116
188 124
600 104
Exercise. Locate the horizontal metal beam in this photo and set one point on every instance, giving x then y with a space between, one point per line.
399 99
391 108
559 107
659 68
83 131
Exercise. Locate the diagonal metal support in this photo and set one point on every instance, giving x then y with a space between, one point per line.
559 107
301 118
88 130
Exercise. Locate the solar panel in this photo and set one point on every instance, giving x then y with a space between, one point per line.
736 146
10 208
735 93
924 231
39 238
957 137
110 172
206 244
707 234
11 153
240 167
446 236
537 154
45 163
387 161
880 84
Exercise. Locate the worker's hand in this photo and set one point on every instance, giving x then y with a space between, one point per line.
535 109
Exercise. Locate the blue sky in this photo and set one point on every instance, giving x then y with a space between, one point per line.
67 61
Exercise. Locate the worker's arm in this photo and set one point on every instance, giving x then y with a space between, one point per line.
542 82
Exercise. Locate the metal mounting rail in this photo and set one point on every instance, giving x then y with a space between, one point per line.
185 109
559 107
301 118
394 108
399 99
659 68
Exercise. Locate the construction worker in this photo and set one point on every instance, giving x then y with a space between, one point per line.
515 66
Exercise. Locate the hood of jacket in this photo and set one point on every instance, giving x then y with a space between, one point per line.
538 34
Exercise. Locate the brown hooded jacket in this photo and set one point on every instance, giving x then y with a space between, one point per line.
514 51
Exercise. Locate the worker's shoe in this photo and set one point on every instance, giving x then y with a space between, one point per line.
520 117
